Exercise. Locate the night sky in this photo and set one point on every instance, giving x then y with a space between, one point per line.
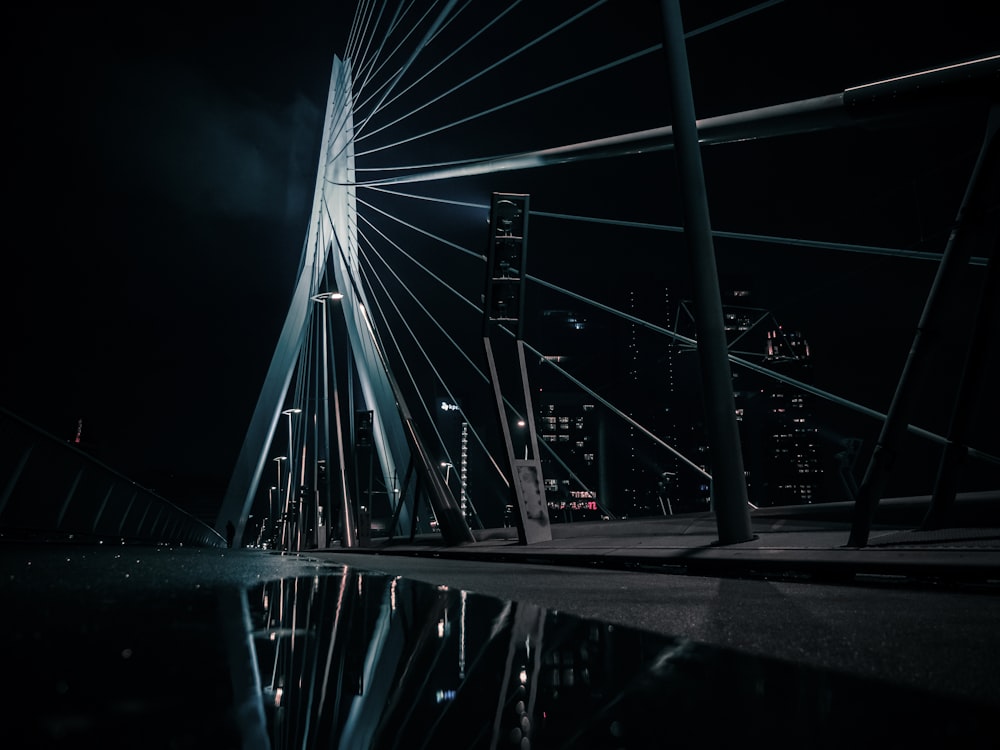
164 160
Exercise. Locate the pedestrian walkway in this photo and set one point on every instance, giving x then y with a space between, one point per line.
799 541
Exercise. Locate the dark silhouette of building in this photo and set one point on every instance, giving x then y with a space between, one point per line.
778 431
570 423
792 468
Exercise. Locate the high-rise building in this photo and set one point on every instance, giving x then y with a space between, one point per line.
569 425
779 436
656 382
611 464
793 469
649 472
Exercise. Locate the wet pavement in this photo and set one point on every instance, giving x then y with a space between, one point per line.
421 646
800 542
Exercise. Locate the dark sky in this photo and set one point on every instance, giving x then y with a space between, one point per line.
163 164
164 167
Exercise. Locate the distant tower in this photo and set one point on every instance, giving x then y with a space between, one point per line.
451 425
779 438
569 423
79 441
792 465
649 483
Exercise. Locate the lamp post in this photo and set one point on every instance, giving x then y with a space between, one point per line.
322 535
278 460
323 296
288 413
291 483
347 523
448 466
270 511
447 471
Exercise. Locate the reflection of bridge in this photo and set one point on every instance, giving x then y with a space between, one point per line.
142 646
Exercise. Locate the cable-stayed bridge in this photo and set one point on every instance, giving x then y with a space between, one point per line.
864 215
597 262
563 265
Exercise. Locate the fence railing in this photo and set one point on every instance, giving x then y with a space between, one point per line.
52 490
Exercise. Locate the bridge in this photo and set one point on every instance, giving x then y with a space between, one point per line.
412 354
749 337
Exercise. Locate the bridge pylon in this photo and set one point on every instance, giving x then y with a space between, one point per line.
330 261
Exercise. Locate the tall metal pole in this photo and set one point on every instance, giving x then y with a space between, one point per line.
348 533
280 540
285 532
973 224
729 489
323 535
956 450
270 510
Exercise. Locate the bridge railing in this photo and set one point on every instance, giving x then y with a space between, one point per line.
52 490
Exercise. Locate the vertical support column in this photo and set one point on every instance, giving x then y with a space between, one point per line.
324 532
729 489
348 534
504 303
957 448
323 444
363 442
972 224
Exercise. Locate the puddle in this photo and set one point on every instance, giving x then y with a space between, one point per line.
354 659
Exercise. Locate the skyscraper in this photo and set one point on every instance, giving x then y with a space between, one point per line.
778 432
648 477
793 471
569 425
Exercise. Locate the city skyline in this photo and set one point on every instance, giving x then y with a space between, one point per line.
652 480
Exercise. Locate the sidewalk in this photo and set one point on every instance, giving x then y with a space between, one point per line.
797 541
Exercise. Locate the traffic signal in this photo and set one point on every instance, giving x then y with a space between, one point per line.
507 254
363 428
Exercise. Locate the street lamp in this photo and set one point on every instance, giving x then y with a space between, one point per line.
278 460
447 471
522 424
270 512
324 451
346 511
323 296
288 413
288 498
447 466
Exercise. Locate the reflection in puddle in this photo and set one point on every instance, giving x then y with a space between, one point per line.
358 660
370 661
